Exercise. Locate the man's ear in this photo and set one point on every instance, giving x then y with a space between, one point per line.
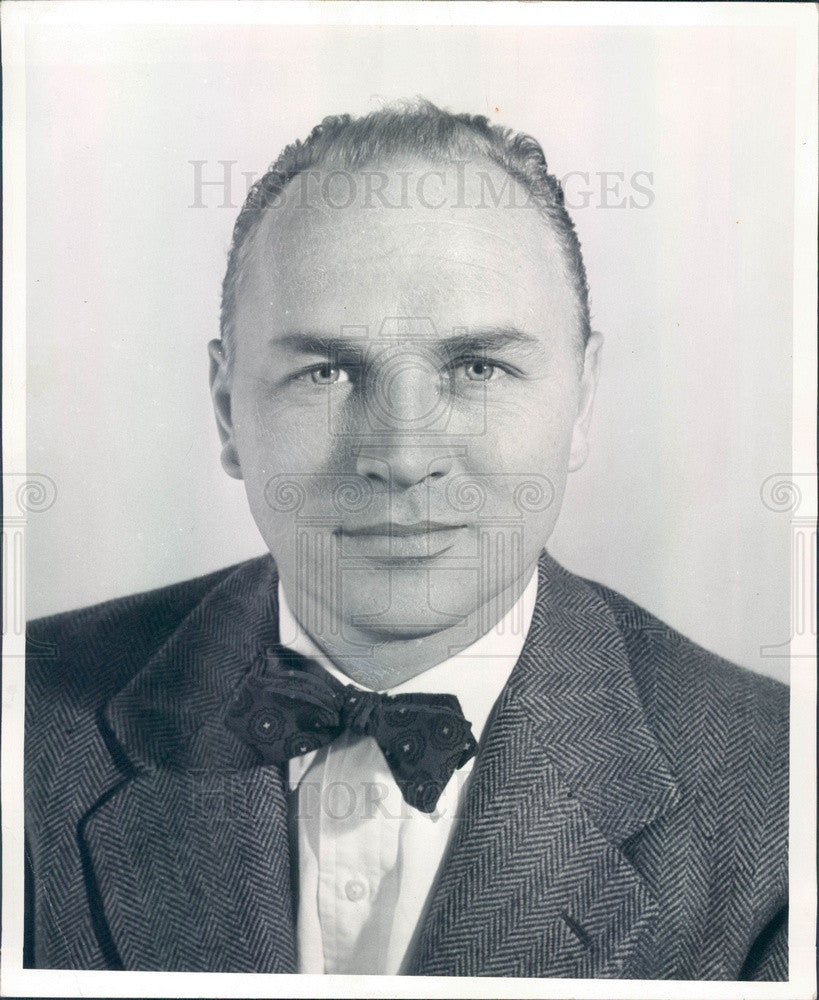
588 386
220 394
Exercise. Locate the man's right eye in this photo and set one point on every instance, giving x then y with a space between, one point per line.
328 374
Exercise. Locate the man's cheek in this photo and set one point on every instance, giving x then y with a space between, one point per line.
278 444
535 444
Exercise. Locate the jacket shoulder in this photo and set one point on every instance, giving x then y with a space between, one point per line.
83 657
661 656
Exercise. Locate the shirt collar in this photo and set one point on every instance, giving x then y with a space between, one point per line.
476 675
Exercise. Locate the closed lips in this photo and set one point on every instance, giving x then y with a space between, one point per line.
393 530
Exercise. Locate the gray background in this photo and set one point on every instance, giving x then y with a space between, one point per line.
691 286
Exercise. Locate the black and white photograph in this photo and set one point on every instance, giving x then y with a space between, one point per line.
409 524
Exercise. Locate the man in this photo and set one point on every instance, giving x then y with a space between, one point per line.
407 741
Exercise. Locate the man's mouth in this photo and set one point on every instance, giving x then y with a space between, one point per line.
397 543
393 529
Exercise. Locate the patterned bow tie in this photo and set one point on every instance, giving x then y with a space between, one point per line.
289 712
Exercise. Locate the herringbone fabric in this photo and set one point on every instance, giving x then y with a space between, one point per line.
626 816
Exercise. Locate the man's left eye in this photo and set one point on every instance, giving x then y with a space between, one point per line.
479 371
328 374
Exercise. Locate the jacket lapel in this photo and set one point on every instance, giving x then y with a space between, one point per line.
535 882
188 857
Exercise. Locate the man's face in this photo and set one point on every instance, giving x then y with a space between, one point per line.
407 394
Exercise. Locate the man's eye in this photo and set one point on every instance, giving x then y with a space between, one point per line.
328 374
479 371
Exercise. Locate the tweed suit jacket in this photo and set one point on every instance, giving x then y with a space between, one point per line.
626 816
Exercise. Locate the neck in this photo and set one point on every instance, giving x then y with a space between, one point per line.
383 658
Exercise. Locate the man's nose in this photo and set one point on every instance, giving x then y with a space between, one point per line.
407 417
404 461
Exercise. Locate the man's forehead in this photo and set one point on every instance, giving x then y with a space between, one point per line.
456 249
455 204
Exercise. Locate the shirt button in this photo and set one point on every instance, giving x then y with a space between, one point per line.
355 890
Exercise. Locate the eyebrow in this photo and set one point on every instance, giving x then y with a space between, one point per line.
474 340
488 339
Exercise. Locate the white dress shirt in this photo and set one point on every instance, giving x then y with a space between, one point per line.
366 859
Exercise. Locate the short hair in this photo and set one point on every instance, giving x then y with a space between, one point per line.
421 131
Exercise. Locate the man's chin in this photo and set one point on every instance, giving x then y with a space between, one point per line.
411 603
385 606
390 607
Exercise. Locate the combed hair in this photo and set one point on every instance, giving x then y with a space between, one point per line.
421 131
